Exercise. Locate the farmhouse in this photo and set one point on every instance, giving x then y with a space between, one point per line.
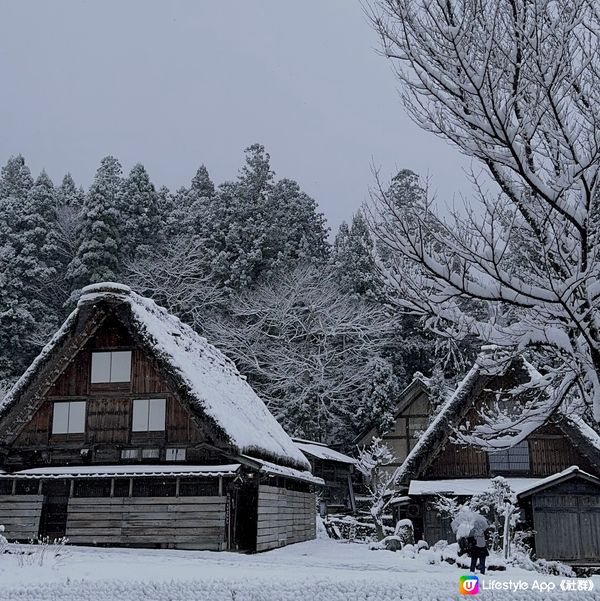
555 471
131 429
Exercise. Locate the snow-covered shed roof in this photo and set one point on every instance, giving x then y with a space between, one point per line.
272 469
122 471
204 377
464 486
322 451
570 472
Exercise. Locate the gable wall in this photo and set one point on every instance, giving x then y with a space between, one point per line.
109 411
407 426
550 449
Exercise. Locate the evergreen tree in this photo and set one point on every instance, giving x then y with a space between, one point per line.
97 257
255 227
26 314
379 398
140 223
68 195
353 259
15 180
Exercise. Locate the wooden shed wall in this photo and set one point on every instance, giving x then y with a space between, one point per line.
284 517
566 521
20 516
179 522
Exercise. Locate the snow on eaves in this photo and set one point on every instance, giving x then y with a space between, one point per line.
321 451
273 469
544 482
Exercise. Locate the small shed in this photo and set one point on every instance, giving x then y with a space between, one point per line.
336 469
565 511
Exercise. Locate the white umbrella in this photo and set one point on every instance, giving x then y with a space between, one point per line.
469 523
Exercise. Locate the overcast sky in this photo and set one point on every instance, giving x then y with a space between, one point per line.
173 84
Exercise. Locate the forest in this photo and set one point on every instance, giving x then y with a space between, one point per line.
250 263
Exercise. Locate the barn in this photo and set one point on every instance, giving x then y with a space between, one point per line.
555 470
130 429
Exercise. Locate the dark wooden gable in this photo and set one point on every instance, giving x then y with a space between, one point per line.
108 407
551 447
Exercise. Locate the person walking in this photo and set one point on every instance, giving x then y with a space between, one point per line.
478 551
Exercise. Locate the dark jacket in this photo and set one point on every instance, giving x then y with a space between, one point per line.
474 550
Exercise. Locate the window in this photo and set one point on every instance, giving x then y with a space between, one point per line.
69 417
150 453
111 366
175 455
130 453
148 415
92 488
154 487
515 459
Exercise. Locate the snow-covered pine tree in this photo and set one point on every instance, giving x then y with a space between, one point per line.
27 315
254 226
99 242
353 259
379 397
15 179
140 227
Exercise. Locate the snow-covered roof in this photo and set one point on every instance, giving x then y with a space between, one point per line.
208 380
273 469
555 478
464 486
111 471
322 451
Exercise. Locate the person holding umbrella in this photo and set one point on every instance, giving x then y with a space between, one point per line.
471 529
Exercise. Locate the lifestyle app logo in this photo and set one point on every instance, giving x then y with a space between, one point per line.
468 585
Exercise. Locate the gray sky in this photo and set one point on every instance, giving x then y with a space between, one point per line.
173 84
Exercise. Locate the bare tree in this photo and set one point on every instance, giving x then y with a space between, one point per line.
515 85
306 347
176 276
373 463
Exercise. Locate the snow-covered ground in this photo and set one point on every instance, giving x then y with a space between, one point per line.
324 570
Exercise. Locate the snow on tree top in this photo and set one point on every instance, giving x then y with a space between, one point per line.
203 373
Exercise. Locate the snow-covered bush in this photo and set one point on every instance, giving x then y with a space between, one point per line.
405 532
498 505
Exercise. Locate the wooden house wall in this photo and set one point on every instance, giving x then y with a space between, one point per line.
177 522
20 515
109 410
284 517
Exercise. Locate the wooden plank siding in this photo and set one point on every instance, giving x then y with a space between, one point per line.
177 522
109 407
20 516
284 517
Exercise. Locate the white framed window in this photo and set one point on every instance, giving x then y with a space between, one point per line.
111 366
149 415
175 455
68 417
150 453
130 453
